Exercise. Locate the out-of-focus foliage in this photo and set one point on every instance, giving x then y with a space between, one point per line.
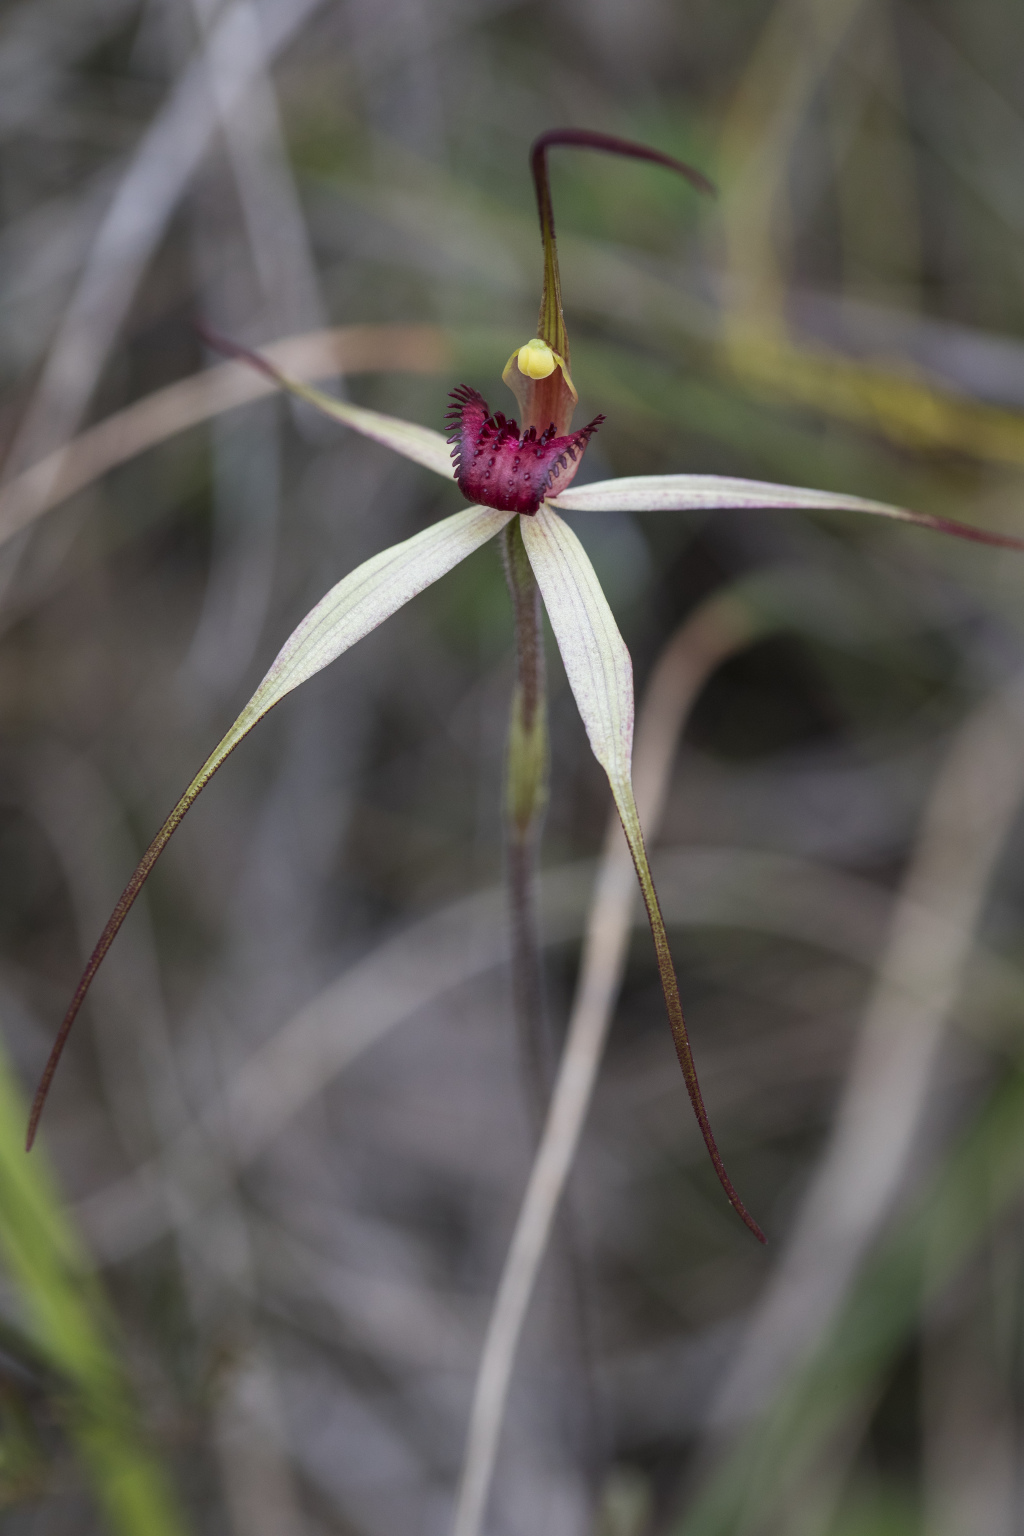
64 1327
292 1131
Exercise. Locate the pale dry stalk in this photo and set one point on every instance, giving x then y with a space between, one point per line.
718 629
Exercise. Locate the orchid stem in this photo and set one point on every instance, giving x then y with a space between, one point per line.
526 793
526 796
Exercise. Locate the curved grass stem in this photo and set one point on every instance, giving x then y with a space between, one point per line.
718 629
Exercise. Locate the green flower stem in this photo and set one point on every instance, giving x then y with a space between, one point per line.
526 795
526 798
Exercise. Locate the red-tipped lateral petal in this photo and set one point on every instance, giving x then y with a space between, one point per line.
349 611
496 467
704 493
600 675
421 444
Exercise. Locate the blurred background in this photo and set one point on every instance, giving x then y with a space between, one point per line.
246 1276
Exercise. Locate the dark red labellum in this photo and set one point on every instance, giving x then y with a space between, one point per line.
495 467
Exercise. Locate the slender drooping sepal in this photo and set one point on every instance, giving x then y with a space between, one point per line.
421 444
600 675
358 604
681 493
526 796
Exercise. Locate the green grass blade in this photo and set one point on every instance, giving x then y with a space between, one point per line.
66 1319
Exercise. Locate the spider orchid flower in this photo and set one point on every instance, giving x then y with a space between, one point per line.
518 481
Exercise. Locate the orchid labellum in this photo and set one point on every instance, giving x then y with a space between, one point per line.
518 478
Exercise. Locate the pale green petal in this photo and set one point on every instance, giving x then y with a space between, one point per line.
421 444
680 493
368 596
600 675
361 601
596 660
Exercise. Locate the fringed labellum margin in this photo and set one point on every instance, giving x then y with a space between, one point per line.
496 467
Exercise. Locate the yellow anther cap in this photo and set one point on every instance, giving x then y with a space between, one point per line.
536 359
